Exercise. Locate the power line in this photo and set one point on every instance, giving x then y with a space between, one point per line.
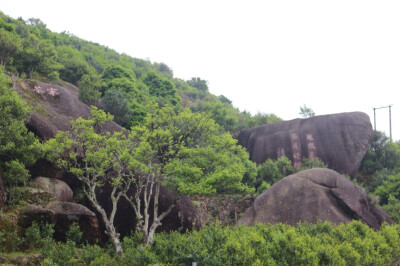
390 118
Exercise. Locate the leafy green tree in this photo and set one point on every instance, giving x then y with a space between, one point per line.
381 154
89 89
186 152
306 112
222 113
10 45
161 87
74 64
198 83
116 103
18 147
389 188
95 159
38 56
182 150
271 171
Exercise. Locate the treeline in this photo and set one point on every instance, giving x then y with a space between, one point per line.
122 85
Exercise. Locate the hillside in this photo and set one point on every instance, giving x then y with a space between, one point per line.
122 85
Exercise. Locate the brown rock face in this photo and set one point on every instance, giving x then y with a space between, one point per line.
182 217
314 195
59 189
67 212
62 215
55 106
340 140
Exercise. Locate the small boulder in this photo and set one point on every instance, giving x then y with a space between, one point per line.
34 212
314 195
66 213
59 189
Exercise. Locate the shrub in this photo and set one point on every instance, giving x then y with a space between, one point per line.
74 233
33 237
309 163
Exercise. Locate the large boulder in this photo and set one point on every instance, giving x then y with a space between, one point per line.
55 107
339 140
57 188
67 212
314 195
62 215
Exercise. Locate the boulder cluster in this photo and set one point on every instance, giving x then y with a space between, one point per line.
309 196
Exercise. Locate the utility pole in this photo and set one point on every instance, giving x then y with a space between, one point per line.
390 118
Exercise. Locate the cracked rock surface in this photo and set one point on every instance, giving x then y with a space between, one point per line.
313 195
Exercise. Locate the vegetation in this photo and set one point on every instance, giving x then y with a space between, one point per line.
178 148
127 86
18 147
280 244
179 135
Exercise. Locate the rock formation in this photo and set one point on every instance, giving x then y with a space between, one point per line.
62 215
314 195
58 188
182 217
339 140
55 107
67 212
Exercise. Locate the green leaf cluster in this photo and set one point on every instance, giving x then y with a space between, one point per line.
18 147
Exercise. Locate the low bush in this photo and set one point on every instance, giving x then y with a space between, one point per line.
319 244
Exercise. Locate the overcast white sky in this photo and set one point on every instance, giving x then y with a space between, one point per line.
268 56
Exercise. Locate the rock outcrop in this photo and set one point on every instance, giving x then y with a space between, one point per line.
314 195
182 217
66 213
339 140
62 215
55 107
58 188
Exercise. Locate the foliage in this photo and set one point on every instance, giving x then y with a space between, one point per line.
116 104
306 112
271 171
10 44
102 159
381 154
18 147
393 208
30 49
161 87
308 163
74 233
89 89
389 187
9 238
33 238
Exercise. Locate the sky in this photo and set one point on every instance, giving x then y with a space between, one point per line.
265 56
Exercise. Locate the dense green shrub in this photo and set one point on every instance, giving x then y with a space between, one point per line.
393 209
389 187
308 163
306 244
